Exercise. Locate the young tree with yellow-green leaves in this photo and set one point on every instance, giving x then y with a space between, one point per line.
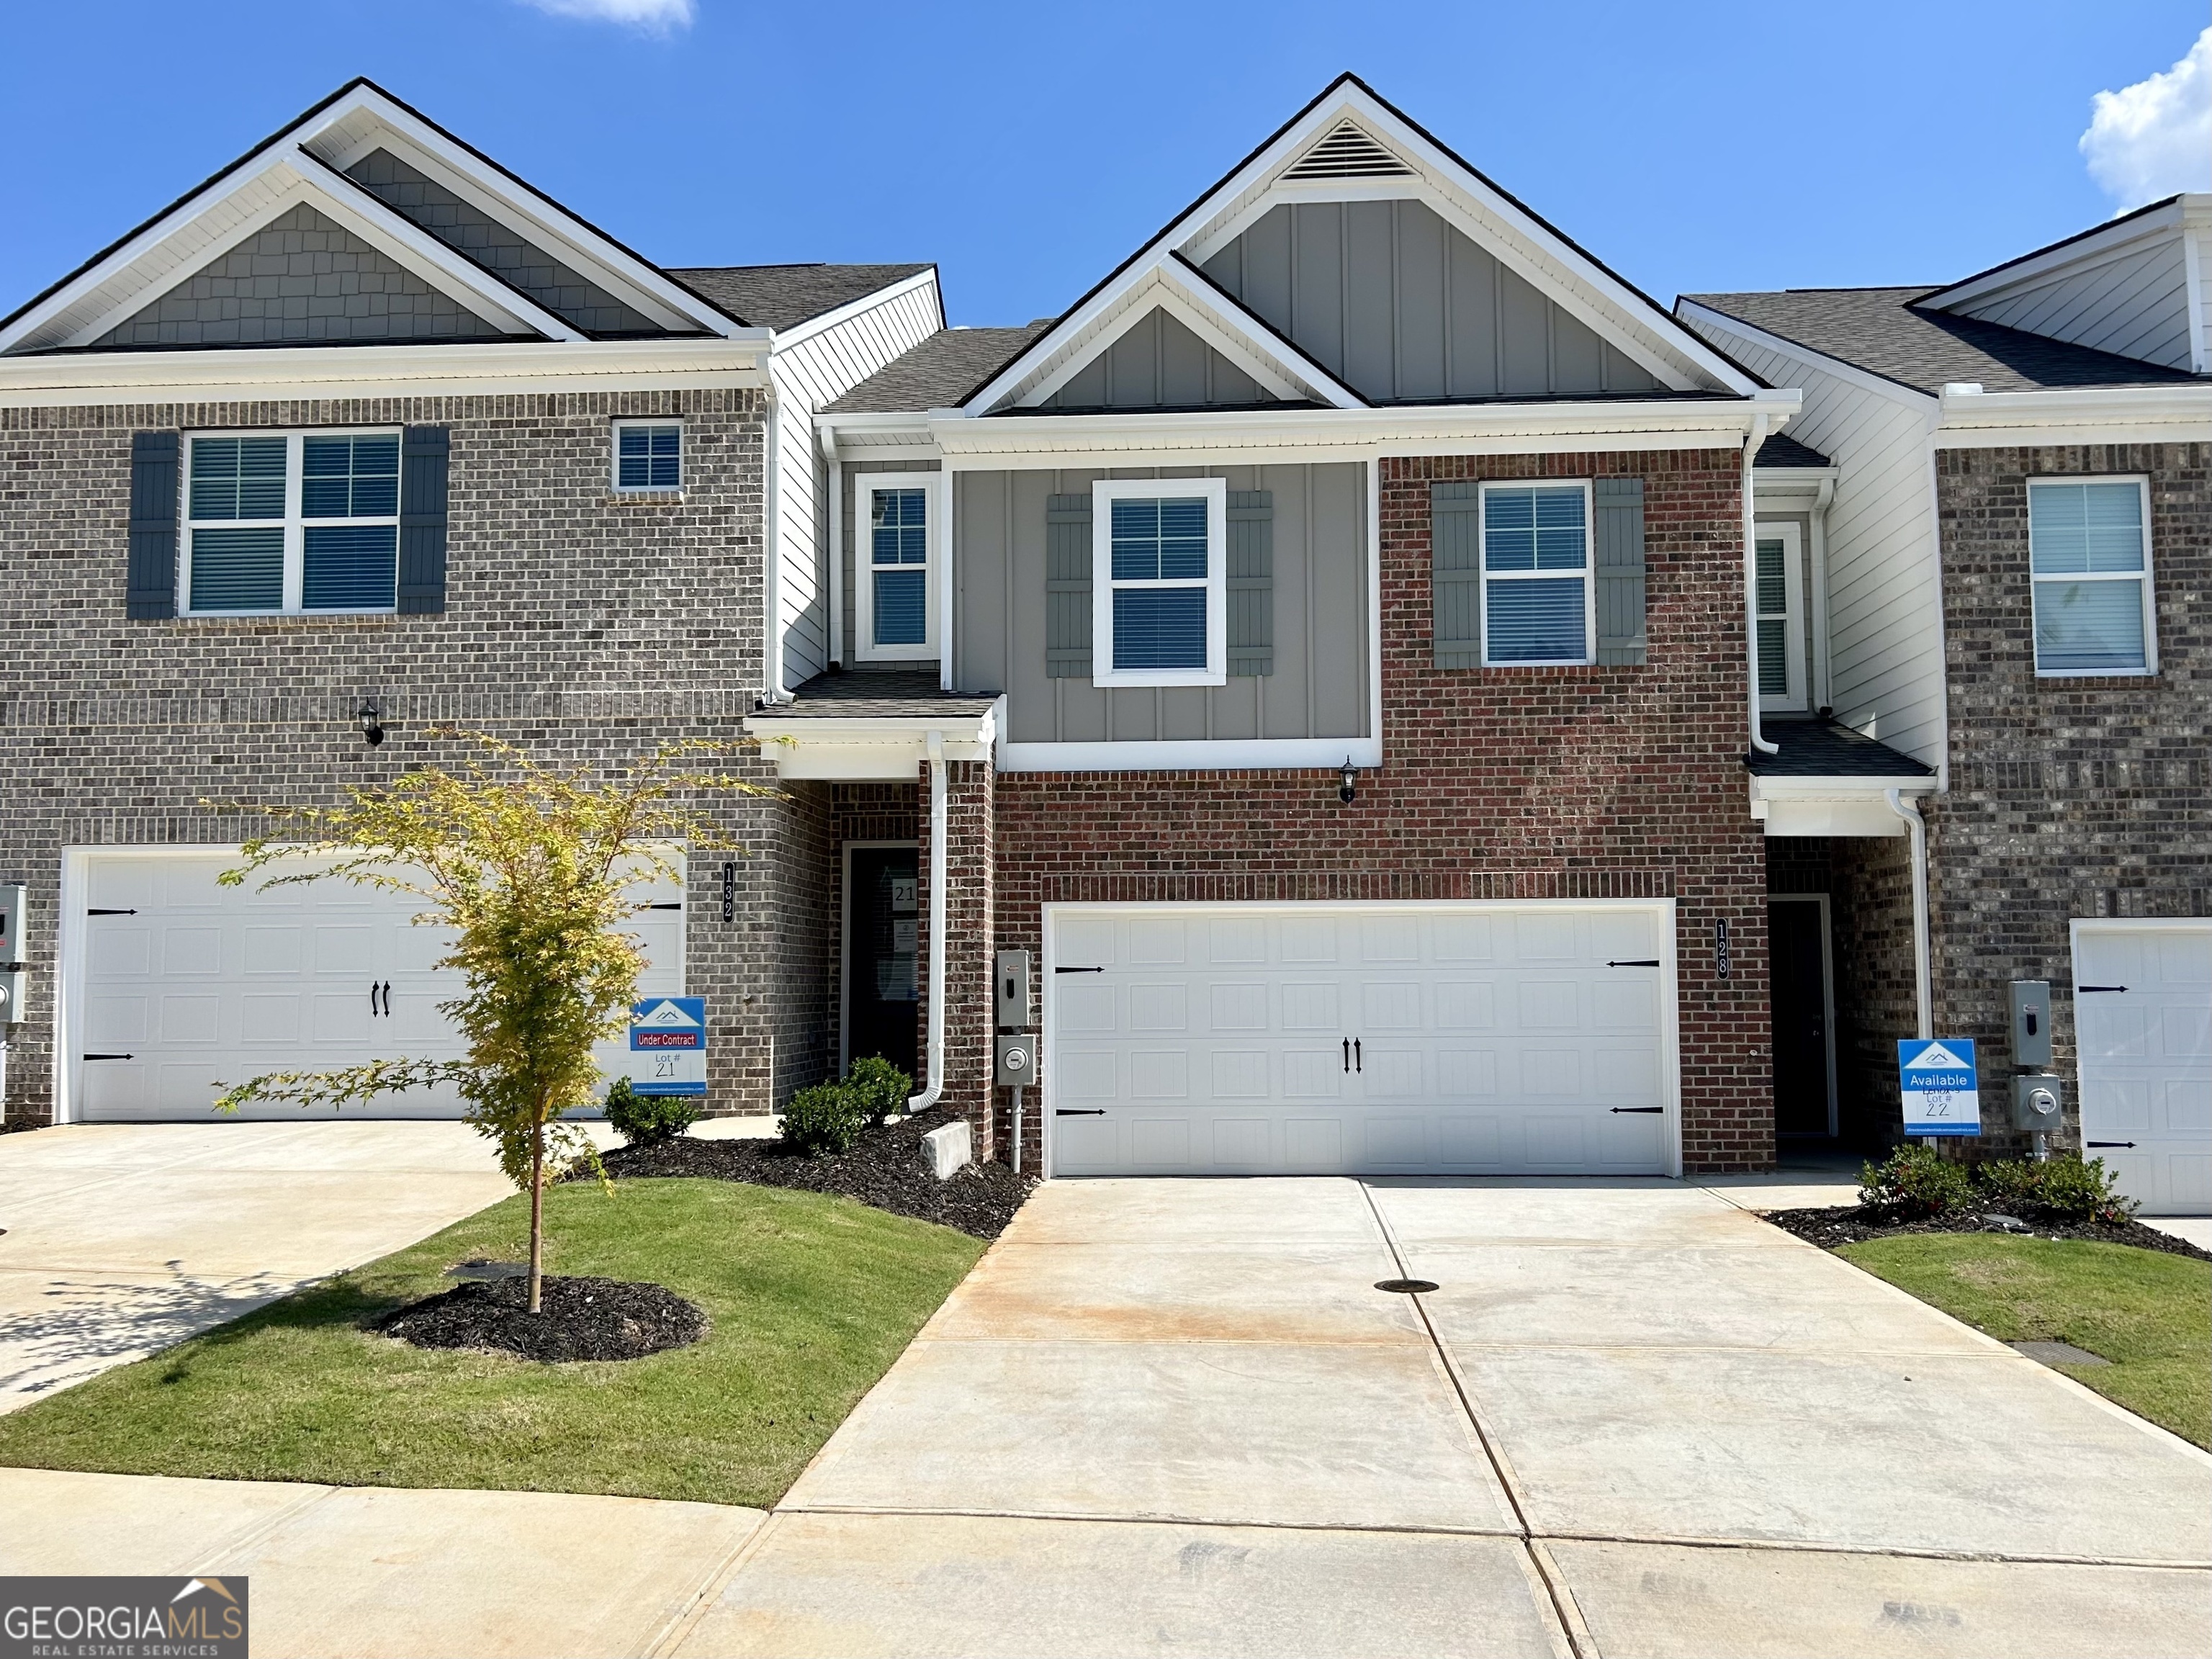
530 868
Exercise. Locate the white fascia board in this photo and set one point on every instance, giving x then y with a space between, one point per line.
998 442
1194 755
802 332
1856 807
2174 413
2098 246
871 437
495 189
858 747
1842 367
486 368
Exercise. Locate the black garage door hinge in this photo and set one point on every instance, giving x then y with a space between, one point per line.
1653 1110
111 913
1078 1111
2111 1143
2079 990
1653 963
1078 970
111 1056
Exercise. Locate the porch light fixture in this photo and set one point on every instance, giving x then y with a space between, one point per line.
1347 781
372 723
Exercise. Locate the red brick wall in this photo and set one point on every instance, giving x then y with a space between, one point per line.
1508 783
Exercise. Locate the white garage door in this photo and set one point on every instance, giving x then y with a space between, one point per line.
180 985
2142 1023
1389 1038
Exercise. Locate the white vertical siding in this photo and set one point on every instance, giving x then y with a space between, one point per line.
2135 305
808 376
1885 629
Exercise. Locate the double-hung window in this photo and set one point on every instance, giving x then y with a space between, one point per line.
2089 569
1779 592
296 523
648 457
895 608
1538 602
1159 610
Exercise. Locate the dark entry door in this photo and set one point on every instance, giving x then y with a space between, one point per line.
880 997
1797 939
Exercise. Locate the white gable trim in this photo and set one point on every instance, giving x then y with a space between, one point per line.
1541 256
1214 318
1866 380
799 333
2082 253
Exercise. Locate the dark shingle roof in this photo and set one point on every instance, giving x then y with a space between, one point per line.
784 296
877 693
1781 450
1879 329
1822 748
940 372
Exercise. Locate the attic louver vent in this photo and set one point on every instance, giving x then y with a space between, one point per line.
1349 153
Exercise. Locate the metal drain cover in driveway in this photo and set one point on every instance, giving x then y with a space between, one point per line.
2058 1353
488 1270
1406 1286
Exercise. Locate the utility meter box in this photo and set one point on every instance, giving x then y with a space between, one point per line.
2031 1023
2037 1104
1016 1061
11 924
1012 983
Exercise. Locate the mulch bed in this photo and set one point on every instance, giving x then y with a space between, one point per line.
583 1318
886 1168
1852 1224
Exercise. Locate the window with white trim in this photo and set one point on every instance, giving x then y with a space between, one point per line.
648 457
291 523
2089 571
1538 601
1159 613
1778 590
894 602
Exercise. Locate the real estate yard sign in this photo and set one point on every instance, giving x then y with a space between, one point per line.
1941 1096
668 1046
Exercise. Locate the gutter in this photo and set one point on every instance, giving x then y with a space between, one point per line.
1761 422
1924 989
930 1096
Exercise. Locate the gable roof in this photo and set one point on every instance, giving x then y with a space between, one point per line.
1781 450
306 162
784 296
939 372
1886 331
1506 225
2150 218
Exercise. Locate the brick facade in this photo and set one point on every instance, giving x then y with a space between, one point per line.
1523 783
584 625
2069 798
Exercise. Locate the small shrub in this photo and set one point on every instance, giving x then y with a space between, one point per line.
647 1120
2066 1187
2010 1185
1915 1182
880 1087
826 1118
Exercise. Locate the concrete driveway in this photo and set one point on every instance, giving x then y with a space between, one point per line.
1177 1417
123 1238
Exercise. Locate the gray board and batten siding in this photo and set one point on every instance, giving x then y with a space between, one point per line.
1298 602
1403 308
301 280
1156 363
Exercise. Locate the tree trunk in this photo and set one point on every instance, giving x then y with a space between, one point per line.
536 1215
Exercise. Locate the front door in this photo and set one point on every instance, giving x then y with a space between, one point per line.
880 996
1796 934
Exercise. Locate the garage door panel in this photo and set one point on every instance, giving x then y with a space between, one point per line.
1462 939
1233 942
1087 1074
1239 1074
268 1017
1467 1142
1312 1075
2144 1048
1395 1074
123 952
191 1021
1466 1072
1237 1007
274 950
1088 1005
1396 1141
1312 1007
1160 1145
1544 937
1243 1144
1548 1005
1308 938
1154 943
1389 939
112 1021
1158 1008
190 951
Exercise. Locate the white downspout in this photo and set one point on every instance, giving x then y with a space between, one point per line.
1924 989
1759 428
928 1097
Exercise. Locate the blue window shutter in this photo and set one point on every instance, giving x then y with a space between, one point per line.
1619 568
423 458
1067 587
1456 574
1251 583
151 575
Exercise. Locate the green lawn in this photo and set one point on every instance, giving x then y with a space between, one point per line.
2150 1314
811 1298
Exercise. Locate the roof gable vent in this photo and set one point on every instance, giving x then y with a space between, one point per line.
1349 152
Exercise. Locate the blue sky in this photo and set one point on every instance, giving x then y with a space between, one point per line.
1028 148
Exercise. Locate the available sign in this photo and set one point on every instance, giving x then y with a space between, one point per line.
668 1046
1941 1094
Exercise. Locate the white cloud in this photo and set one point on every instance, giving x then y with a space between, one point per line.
650 16
2154 138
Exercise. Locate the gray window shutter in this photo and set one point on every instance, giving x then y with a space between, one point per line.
422 455
1620 508
1455 573
1067 587
1251 583
151 576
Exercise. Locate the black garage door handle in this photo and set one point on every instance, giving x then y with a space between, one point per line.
1078 1111
1653 1110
